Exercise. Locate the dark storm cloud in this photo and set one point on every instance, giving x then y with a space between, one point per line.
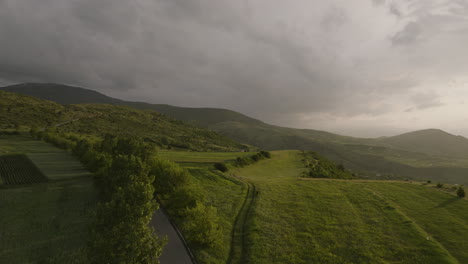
408 35
271 59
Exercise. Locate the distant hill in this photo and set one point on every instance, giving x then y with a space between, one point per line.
252 131
430 141
435 151
18 111
233 124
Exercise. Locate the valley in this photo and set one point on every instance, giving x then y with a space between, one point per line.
315 197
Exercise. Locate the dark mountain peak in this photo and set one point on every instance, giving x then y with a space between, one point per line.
65 94
62 94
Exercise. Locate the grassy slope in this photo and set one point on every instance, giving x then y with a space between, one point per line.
201 157
21 110
46 222
384 156
325 221
430 141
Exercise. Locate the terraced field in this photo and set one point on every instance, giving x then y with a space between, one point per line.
54 163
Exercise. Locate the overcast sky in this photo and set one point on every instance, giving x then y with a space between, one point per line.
360 67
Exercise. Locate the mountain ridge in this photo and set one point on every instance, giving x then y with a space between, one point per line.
252 131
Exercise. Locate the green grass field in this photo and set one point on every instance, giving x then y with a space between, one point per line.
46 222
227 196
335 221
201 157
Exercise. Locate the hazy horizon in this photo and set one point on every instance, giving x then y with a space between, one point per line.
364 68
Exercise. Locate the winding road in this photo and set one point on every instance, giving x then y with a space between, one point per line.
175 251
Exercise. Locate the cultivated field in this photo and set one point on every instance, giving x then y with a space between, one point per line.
16 169
54 163
45 222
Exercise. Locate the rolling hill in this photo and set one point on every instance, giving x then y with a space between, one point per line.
252 131
427 154
21 111
430 141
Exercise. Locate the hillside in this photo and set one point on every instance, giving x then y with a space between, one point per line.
252 131
18 111
349 221
430 141
431 154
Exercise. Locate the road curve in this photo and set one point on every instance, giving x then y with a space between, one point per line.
175 251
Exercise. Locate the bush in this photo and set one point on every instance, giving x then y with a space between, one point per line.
202 227
265 154
440 185
221 167
460 192
168 176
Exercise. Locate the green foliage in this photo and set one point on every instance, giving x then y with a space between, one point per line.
221 167
201 230
245 161
101 120
168 176
440 185
183 199
461 192
319 167
121 233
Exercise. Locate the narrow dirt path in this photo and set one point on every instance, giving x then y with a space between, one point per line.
239 232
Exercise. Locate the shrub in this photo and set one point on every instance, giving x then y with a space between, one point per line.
440 185
202 227
461 192
168 176
221 167
265 154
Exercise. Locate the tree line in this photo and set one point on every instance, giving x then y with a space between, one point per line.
129 178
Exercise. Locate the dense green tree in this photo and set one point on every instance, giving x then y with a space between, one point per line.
121 233
221 167
201 226
168 176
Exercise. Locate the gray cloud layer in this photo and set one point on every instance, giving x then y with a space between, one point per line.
299 63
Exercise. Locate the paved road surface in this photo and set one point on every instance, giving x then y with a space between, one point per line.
174 252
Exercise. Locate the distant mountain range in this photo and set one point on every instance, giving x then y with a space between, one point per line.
249 130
